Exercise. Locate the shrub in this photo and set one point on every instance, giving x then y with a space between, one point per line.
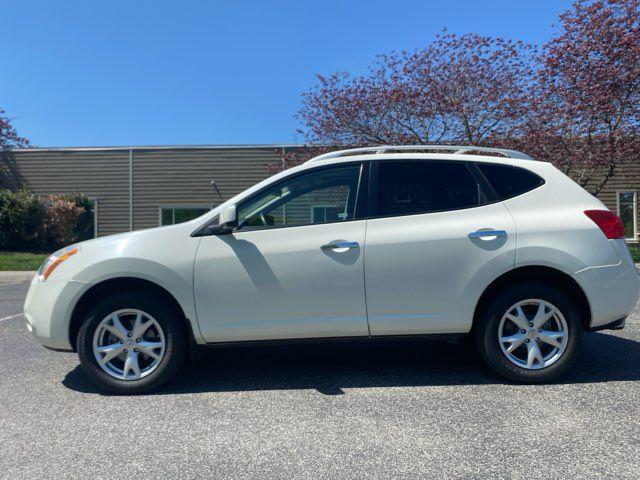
63 217
22 216
84 223
34 223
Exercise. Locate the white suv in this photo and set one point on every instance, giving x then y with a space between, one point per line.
364 243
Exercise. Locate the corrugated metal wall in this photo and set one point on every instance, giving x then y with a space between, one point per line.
100 174
182 177
179 176
627 179
161 177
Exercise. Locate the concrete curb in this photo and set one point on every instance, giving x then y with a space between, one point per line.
15 277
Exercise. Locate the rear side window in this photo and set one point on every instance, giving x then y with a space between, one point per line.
509 181
406 188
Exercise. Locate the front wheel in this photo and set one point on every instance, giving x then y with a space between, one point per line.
531 332
131 342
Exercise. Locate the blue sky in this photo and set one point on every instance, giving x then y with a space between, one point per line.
81 73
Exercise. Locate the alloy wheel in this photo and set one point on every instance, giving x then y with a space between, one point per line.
128 344
533 334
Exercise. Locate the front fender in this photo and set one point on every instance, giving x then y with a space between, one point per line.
163 256
175 279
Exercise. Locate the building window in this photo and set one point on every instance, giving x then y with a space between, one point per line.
627 213
173 215
326 213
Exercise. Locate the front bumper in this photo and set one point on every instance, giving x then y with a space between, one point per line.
48 308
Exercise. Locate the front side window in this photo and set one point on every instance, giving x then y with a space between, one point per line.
324 196
407 188
173 215
627 213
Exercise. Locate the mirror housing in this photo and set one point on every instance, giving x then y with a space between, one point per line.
229 217
227 223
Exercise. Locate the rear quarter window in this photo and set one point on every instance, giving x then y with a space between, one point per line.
508 181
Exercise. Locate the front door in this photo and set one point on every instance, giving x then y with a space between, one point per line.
293 268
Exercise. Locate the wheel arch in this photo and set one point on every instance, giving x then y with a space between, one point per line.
549 275
99 290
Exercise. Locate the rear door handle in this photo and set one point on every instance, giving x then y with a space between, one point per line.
488 233
340 245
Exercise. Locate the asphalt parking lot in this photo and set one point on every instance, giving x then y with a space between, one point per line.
380 410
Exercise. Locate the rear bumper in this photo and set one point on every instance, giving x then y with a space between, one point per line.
612 290
48 309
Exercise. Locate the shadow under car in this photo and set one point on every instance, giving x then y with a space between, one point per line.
331 367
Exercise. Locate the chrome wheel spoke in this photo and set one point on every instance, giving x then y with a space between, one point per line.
542 316
520 319
151 349
533 354
131 365
140 326
110 352
552 338
514 341
116 327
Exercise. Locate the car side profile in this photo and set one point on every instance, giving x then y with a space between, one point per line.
363 243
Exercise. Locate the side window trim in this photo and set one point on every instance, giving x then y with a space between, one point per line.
360 211
372 197
490 195
359 204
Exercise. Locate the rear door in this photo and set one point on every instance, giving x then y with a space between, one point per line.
435 239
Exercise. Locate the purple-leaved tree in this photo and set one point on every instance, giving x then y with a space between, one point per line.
9 138
9 175
459 88
576 103
586 109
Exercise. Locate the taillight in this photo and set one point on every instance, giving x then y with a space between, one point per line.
608 222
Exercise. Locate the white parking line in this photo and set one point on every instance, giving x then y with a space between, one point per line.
11 316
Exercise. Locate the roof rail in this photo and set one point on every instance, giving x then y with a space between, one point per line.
456 149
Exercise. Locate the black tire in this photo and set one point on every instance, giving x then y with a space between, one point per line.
163 312
486 332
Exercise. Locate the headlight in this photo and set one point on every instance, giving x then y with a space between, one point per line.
54 260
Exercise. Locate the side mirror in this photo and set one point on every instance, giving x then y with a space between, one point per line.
229 217
227 223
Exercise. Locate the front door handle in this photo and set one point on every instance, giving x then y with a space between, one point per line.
340 246
488 233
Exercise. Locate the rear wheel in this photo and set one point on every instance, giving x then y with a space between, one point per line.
531 332
132 342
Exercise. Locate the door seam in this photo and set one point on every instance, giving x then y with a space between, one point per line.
364 277
515 227
193 290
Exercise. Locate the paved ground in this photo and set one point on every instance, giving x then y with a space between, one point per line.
403 410
9 276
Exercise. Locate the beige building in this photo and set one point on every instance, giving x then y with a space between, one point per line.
142 187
